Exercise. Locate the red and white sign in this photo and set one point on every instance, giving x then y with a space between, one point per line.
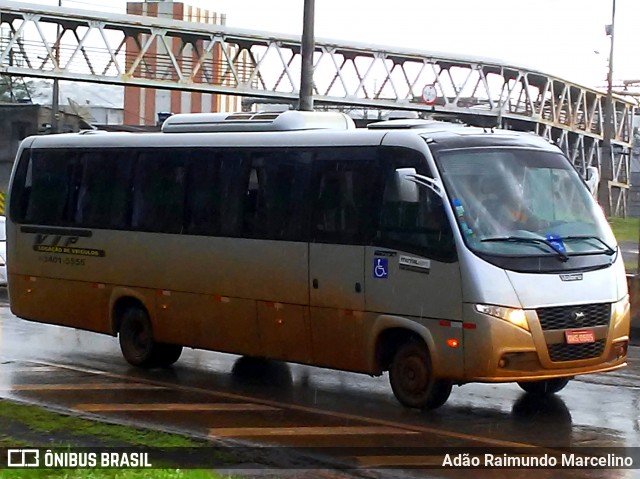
429 94
580 336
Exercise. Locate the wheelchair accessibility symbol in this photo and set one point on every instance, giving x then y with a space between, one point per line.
380 268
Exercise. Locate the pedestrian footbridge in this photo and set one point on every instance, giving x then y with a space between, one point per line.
80 45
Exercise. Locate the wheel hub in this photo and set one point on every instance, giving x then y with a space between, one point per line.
414 375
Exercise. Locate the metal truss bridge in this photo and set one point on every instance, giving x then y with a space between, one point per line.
70 44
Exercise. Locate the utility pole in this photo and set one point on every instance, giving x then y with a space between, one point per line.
55 105
307 48
606 153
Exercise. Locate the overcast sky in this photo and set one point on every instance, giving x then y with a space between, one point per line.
560 37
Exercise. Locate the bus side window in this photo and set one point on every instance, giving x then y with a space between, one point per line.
234 183
419 227
52 176
104 194
204 199
159 192
414 224
253 220
275 197
21 189
345 196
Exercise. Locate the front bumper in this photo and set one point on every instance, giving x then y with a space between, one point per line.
497 351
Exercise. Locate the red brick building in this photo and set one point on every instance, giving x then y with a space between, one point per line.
142 105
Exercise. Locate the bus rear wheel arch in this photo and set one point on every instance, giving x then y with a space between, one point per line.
411 377
137 344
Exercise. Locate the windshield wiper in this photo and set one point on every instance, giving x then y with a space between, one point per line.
609 250
523 239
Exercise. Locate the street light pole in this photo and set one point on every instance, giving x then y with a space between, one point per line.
606 160
307 48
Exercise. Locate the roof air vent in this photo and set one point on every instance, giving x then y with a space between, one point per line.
267 121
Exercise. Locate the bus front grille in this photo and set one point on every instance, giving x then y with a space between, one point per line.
574 317
572 352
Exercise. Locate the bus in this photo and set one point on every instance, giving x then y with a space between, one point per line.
442 254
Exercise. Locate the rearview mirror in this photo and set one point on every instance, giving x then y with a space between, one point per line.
403 189
592 178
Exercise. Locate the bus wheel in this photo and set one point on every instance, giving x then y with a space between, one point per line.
136 339
545 386
167 354
412 380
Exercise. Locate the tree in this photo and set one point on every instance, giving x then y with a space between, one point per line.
13 89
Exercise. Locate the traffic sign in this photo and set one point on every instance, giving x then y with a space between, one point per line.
429 94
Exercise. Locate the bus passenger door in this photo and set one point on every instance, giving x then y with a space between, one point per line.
336 276
337 304
341 196
412 269
273 217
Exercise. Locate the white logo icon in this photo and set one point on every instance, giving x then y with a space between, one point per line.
380 270
23 458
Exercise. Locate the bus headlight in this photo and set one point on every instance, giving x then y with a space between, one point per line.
620 309
514 316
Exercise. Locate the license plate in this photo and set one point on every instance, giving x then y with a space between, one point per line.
579 336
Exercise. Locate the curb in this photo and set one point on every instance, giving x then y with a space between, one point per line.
633 282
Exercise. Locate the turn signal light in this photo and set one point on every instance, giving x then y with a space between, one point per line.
452 343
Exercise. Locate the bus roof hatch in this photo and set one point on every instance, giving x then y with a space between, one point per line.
267 121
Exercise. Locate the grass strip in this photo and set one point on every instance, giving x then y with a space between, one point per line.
107 474
30 426
626 229
41 420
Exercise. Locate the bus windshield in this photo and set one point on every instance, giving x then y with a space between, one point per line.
523 202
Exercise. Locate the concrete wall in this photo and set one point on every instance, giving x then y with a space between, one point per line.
634 293
104 115
633 199
17 121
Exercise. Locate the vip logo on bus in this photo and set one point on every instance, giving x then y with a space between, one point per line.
63 244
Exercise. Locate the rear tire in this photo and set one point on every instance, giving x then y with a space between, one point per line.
412 381
137 344
167 354
544 387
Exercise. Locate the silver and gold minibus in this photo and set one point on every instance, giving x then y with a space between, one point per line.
441 253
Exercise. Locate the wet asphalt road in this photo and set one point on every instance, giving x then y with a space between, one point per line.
219 396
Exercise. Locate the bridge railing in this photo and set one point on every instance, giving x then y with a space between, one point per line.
54 42
146 51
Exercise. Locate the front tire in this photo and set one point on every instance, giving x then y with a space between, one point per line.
137 344
167 354
544 387
412 381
